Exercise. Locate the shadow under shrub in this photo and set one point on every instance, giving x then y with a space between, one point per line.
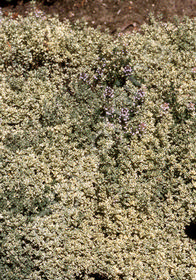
97 151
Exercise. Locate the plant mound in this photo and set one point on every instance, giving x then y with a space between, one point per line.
97 150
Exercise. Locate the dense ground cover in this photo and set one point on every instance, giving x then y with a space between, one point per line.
97 150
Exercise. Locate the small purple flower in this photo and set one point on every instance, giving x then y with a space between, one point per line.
109 92
83 76
165 106
191 106
127 70
139 130
38 13
194 70
142 126
125 114
124 117
139 95
109 111
100 72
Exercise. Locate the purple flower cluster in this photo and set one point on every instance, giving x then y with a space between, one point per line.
191 106
109 110
38 13
139 97
165 106
127 70
83 77
137 100
109 92
124 117
194 70
99 72
141 128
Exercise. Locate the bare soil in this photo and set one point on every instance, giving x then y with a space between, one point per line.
116 15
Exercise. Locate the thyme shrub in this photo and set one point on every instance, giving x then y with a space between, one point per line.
97 150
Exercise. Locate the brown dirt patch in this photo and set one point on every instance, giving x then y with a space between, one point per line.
117 15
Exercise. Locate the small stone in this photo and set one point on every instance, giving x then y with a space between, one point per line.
1 217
